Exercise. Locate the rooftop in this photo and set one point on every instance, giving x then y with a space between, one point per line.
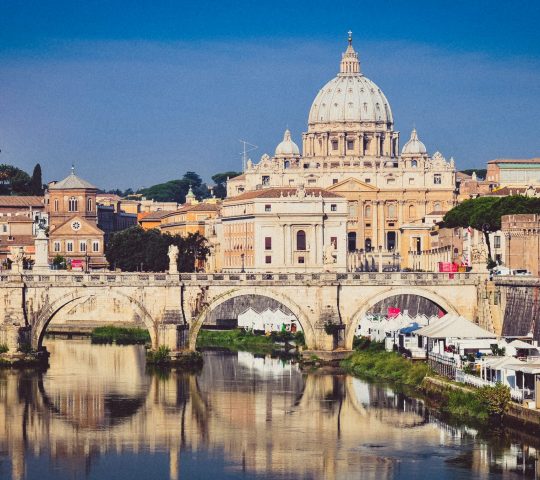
283 192
72 182
20 201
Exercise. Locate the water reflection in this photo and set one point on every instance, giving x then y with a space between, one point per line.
97 413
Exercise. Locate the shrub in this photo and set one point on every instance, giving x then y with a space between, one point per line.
159 356
4 348
495 400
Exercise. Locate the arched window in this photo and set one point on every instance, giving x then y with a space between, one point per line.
300 240
56 205
437 206
368 211
89 206
351 241
286 164
72 204
412 211
414 163
367 244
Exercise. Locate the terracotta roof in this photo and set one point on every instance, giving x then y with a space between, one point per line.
20 201
152 216
72 182
516 160
18 219
18 241
463 176
279 192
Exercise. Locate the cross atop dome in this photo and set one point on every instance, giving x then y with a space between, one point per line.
350 65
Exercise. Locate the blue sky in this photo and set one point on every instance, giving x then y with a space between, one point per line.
136 93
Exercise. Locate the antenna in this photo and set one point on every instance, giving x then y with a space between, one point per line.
248 147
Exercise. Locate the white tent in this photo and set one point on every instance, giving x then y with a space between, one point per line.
454 326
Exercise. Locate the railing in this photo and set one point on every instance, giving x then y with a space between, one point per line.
351 278
478 382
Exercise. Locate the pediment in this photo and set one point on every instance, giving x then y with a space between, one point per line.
352 185
86 228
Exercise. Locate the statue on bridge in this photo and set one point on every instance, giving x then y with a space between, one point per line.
18 261
173 258
329 256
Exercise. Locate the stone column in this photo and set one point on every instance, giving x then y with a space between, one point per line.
382 238
375 224
41 243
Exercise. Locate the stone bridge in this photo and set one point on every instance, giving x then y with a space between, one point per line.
173 307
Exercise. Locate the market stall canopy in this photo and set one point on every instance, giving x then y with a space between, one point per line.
454 326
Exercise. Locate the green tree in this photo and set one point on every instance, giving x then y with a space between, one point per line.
36 182
485 213
176 190
220 180
13 180
136 249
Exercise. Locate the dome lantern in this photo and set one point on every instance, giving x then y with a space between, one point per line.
350 65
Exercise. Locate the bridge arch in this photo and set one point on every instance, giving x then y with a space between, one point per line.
392 292
197 322
48 312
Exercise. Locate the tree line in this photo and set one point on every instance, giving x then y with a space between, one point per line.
485 214
136 249
176 190
14 181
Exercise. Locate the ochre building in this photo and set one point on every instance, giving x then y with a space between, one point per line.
352 149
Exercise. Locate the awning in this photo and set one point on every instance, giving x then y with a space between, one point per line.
454 326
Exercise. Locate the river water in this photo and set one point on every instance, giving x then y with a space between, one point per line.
97 413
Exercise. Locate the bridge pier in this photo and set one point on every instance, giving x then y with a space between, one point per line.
173 336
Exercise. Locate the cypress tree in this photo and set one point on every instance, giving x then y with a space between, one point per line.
36 183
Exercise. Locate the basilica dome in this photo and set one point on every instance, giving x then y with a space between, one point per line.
350 97
287 146
414 146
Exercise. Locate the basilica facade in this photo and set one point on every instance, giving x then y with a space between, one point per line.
352 149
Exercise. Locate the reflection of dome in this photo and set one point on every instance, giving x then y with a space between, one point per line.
287 146
414 146
350 97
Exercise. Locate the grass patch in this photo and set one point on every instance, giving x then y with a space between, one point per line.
120 335
373 363
239 339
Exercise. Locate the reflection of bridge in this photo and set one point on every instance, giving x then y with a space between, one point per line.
257 420
174 307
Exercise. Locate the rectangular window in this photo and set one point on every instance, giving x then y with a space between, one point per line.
56 246
268 259
350 144
268 208
311 181
334 144
82 246
300 259
95 246
390 181
437 179
268 243
334 181
333 240
411 181
497 241
367 180
333 207
266 180
69 246
291 182
368 225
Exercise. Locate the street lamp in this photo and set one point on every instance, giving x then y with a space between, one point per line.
242 257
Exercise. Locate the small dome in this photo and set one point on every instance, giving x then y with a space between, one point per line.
287 146
414 146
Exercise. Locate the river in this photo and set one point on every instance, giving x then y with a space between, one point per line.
97 413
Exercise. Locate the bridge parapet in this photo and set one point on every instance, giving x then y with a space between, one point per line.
313 279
